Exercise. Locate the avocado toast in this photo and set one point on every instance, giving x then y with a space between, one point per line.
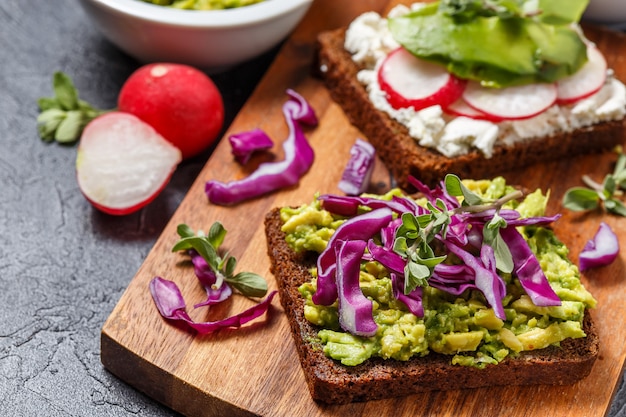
435 335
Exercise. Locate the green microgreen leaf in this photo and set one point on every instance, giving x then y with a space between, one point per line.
620 167
456 188
415 275
65 92
249 284
216 234
70 128
47 123
48 103
615 207
608 187
64 116
596 195
414 236
184 231
581 199
207 246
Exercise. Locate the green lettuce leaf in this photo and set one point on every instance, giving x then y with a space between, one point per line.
498 46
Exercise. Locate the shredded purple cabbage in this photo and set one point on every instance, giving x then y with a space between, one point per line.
349 205
244 144
463 238
527 269
362 227
435 193
485 277
216 292
170 303
358 172
272 176
601 250
413 300
453 279
355 309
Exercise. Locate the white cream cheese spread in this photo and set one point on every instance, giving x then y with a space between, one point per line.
369 40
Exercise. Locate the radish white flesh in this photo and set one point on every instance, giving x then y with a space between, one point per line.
413 82
123 163
586 81
461 108
517 102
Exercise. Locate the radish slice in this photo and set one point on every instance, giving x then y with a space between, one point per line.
122 163
413 82
461 108
517 102
586 81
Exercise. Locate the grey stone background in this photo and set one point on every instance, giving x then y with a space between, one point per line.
63 265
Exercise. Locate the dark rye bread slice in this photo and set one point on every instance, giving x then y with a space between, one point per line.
331 382
404 157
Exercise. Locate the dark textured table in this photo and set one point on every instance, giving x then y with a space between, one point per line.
63 265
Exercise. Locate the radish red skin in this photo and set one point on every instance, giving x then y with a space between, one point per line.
431 83
178 101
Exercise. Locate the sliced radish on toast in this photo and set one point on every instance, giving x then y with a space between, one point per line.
412 82
586 81
461 108
517 102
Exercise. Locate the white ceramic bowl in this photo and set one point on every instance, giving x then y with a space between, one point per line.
606 11
212 40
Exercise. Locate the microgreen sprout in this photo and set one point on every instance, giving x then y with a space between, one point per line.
606 195
414 237
207 246
64 116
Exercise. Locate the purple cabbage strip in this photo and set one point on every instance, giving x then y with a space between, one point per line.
388 233
396 265
412 301
349 205
355 309
485 277
387 257
433 194
208 279
527 269
358 172
601 250
533 221
271 176
362 227
244 144
453 279
171 305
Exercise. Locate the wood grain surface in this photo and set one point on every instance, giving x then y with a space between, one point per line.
255 370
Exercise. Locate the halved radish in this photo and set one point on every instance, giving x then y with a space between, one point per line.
412 82
461 108
517 102
122 163
586 81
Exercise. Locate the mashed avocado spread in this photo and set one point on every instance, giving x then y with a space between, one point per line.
462 326
203 4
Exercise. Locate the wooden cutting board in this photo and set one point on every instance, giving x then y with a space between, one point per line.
255 370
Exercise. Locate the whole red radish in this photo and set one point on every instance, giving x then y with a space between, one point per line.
179 101
122 163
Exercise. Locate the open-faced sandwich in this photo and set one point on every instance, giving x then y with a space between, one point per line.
474 87
464 286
